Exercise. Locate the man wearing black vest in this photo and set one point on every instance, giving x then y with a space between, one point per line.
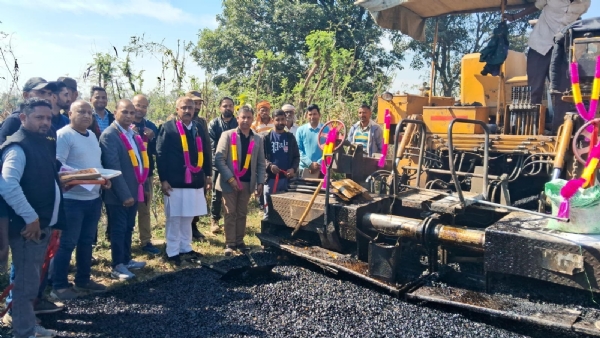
31 187
184 174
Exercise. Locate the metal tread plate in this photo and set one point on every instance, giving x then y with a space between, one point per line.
518 309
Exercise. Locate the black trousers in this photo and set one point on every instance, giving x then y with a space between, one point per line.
538 69
216 203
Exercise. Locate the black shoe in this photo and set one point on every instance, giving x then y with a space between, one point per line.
243 248
175 260
94 261
196 234
193 254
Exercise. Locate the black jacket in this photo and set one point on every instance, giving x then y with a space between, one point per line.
38 180
151 144
169 160
216 127
293 152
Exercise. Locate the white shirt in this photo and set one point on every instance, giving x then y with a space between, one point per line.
79 152
293 129
130 134
556 15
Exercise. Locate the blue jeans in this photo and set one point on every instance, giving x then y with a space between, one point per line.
281 186
80 231
121 221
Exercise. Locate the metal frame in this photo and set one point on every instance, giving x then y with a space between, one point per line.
486 156
421 149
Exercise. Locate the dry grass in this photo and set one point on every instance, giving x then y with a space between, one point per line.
212 248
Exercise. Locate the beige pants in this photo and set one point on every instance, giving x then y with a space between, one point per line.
144 225
236 212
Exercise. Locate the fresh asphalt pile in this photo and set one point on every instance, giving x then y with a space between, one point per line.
293 301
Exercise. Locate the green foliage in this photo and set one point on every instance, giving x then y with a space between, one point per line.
249 30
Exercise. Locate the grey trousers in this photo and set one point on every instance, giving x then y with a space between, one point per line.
28 258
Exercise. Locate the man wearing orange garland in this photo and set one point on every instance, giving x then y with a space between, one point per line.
123 150
184 173
263 123
240 160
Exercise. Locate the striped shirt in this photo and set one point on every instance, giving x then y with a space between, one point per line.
102 122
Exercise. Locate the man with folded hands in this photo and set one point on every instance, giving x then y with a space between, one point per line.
184 173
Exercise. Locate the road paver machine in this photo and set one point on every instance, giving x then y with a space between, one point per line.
457 215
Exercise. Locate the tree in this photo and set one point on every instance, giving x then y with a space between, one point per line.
247 27
457 35
8 100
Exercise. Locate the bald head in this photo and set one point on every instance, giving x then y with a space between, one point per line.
124 113
140 103
79 103
80 114
185 109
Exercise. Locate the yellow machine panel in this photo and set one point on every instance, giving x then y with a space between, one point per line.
475 87
437 119
403 106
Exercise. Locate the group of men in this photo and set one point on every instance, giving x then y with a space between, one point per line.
55 132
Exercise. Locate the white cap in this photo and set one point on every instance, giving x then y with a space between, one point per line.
287 107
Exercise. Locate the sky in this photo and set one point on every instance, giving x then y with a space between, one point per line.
59 38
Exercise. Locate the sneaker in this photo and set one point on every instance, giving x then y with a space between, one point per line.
151 249
44 306
64 294
175 260
215 228
228 251
94 261
121 272
134 265
41 332
91 286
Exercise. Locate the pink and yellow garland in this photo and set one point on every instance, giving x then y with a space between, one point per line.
587 178
236 172
141 177
587 115
386 138
327 151
186 154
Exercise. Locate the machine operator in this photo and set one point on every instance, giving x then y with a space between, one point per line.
556 15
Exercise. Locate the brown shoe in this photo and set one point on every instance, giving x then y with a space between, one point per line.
215 228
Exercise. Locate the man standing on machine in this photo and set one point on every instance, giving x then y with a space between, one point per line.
556 15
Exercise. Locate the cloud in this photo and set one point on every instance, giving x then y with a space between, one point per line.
156 9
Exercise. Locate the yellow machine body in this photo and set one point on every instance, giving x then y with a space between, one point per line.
402 106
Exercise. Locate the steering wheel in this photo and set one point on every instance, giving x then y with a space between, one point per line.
581 141
341 133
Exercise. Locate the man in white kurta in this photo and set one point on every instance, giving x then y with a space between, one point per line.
183 175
